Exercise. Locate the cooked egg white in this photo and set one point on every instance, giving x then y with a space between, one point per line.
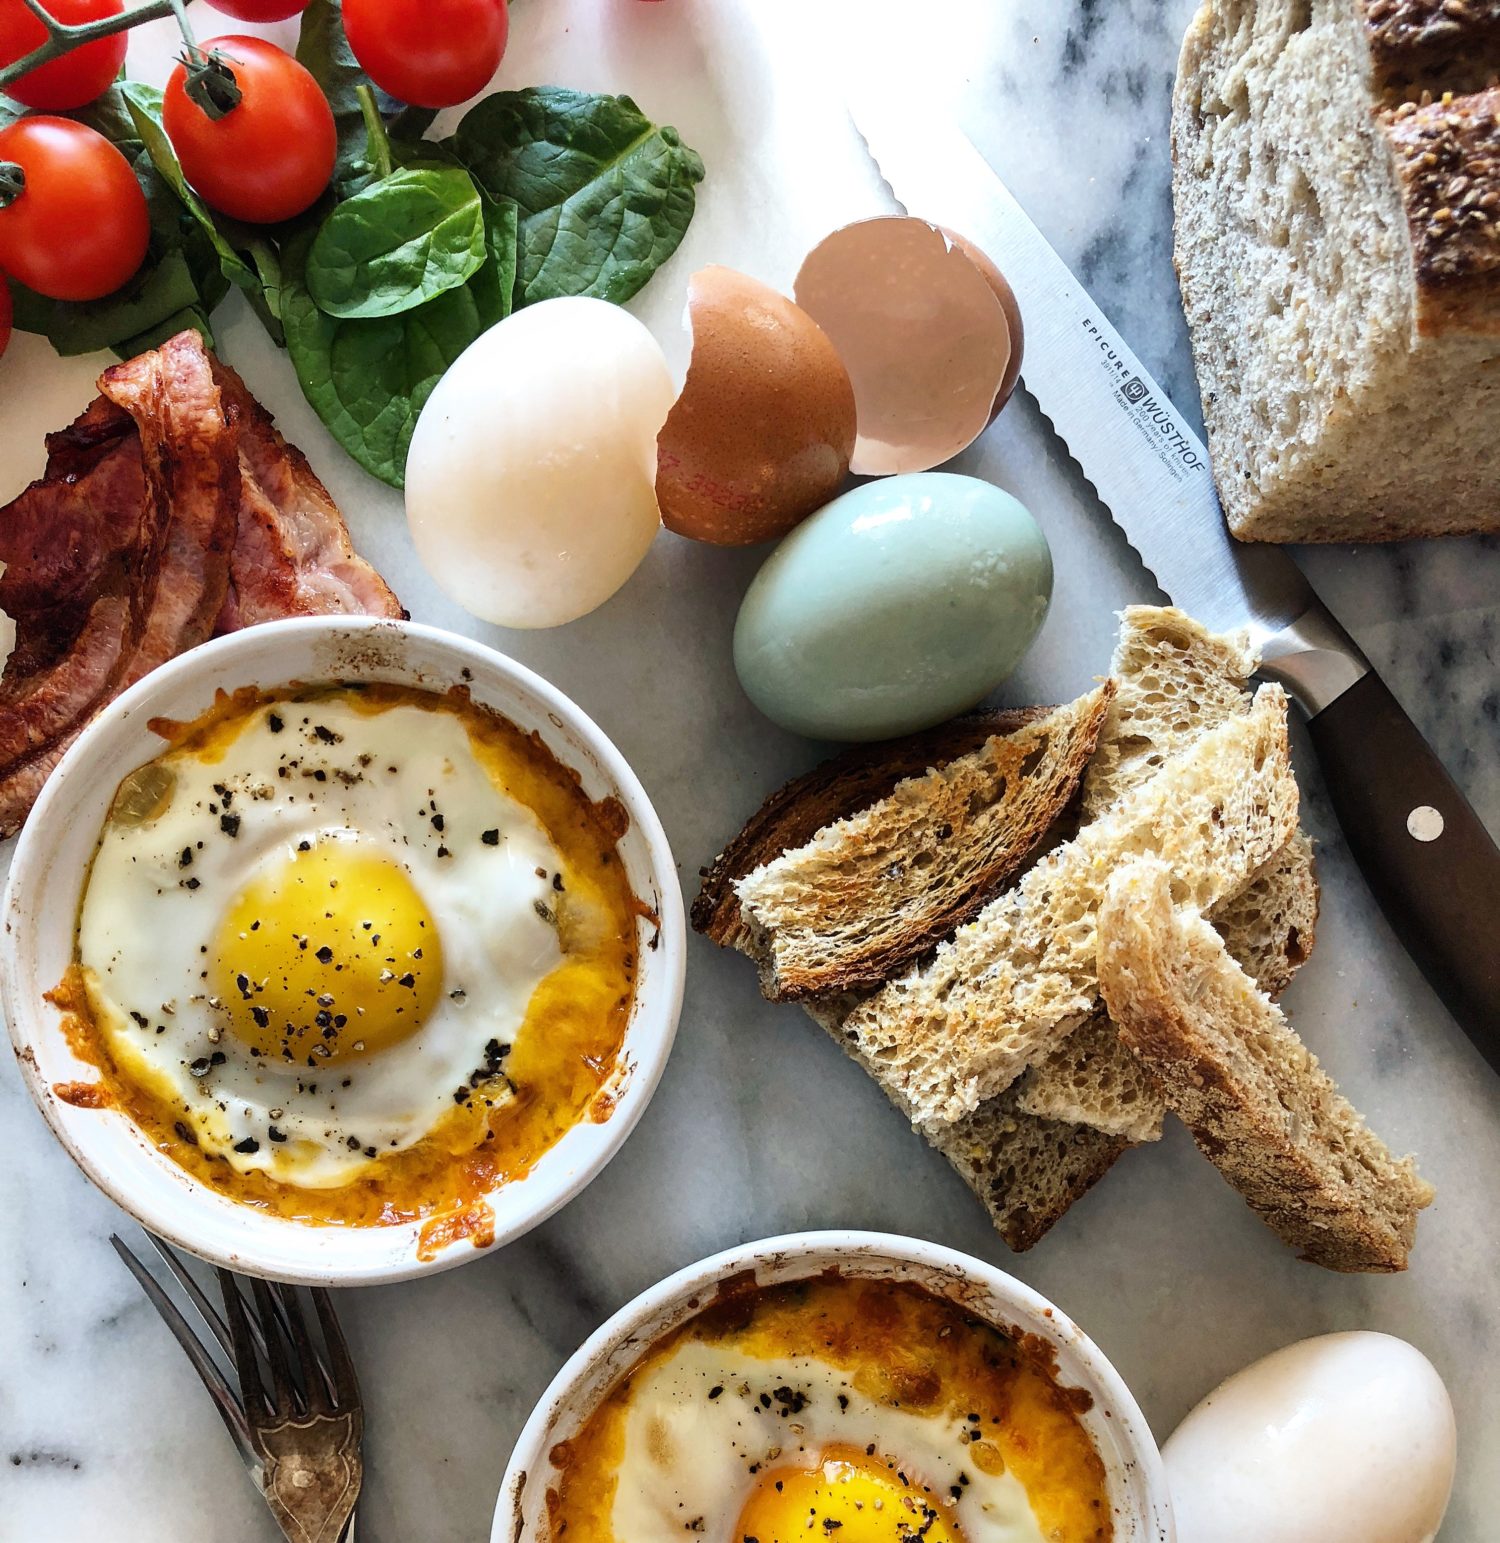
726 1446
317 938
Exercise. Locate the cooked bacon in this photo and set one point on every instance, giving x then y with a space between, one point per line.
293 556
170 509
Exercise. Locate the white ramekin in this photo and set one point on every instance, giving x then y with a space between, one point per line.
46 880
1137 1484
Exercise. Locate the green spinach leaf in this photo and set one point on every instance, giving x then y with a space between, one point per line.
494 286
400 243
159 290
604 194
368 378
179 321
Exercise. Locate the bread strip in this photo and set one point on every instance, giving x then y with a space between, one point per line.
874 891
1176 681
993 1000
1257 1102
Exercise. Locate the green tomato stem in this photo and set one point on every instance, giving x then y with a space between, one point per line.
63 37
379 147
12 183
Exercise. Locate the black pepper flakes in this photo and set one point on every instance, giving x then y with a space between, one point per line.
247 1146
491 838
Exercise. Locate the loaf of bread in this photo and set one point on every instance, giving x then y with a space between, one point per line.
1257 1102
1336 183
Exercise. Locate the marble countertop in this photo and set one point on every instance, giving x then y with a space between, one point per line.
760 1125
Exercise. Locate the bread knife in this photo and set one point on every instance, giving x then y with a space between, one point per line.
1426 855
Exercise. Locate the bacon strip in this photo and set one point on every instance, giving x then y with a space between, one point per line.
169 510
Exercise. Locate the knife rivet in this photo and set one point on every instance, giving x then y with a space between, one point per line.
1424 823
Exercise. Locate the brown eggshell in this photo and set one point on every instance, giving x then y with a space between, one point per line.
762 432
1008 303
922 331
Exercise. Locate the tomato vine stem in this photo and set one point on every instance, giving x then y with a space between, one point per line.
63 37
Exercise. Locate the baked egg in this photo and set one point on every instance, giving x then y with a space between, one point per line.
869 1410
354 953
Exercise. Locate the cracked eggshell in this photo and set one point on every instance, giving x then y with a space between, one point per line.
924 331
763 430
531 478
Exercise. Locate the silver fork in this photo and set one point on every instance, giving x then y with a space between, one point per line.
301 1438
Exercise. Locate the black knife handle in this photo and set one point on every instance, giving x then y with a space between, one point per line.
1429 861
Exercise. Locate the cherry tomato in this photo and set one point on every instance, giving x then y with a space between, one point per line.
78 77
79 228
431 53
260 10
267 158
5 314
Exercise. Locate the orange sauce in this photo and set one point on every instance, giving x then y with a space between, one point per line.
902 1347
564 1052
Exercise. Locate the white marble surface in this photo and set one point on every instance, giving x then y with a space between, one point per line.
760 1125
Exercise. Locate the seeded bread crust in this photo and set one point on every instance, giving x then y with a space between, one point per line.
1336 187
1254 1097
874 891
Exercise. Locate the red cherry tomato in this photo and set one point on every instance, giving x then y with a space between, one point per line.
75 79
5 314
260 10
431 53
80 227
267 158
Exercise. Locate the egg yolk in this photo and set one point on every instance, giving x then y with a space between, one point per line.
327 956
857 1497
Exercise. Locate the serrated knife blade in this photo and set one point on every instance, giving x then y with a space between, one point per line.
1427 856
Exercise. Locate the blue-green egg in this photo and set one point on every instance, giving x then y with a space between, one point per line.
894 607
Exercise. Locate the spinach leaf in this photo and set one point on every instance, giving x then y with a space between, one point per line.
179 321
323 50
158 291
368 378
400 243
493 287
604 194
143 106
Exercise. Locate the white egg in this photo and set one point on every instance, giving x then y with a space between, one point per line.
1347 1438
531 479
333 924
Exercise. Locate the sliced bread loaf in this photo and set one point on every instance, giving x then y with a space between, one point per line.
1257 1102
1336 185
994 999
872 892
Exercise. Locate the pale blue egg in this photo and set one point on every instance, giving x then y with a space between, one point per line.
894 607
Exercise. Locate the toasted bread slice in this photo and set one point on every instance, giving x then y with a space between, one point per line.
1257 1102
874 891
832 791
1023 973
1176 681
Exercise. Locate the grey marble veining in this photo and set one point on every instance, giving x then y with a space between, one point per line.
760 1125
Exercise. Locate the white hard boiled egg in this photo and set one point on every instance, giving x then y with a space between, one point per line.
531 478
1347 1438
